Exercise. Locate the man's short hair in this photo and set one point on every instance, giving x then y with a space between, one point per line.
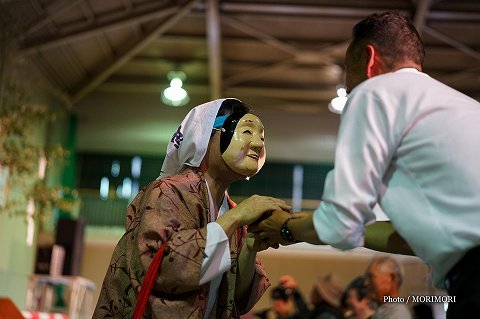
393 35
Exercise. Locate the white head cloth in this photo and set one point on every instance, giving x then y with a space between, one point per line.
189 143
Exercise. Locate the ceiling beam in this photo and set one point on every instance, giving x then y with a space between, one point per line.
457 17
459 75
307 45
260 35
97 29
53 10
258 72
240 41
284 93
214 49
454 43
293 94
306 10
314 57
132 51
266 38
423 6
344 12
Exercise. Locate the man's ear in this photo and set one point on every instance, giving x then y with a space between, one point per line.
374 63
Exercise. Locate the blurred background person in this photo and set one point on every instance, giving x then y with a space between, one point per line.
384 278
287 301
325 298
356 300
422 311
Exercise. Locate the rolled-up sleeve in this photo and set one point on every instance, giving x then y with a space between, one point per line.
366 143
337 228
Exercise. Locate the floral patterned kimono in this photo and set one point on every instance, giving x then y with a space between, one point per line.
177 209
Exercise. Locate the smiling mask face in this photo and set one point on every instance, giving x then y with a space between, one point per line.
246 152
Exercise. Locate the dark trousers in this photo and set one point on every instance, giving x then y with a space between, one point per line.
463 282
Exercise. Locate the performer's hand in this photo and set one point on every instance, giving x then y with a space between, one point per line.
252 208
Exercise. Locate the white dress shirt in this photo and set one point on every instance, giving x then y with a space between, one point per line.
412 144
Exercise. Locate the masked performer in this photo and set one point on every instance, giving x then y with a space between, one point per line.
211 270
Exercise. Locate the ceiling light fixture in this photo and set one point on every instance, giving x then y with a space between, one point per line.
337 104
175 94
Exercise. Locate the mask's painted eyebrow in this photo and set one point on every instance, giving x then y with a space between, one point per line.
250 123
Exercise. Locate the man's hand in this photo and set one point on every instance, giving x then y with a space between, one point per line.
269 228
301 226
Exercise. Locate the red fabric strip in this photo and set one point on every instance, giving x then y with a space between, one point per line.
148 282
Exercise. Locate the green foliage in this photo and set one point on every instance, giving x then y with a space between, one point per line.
23 124
21 154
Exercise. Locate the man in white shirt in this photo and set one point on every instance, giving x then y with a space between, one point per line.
412 144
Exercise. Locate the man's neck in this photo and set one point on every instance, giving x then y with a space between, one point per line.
407 65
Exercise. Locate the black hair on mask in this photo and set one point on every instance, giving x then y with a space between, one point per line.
229 128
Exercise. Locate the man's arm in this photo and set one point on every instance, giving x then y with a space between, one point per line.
300 225
381 236
302 229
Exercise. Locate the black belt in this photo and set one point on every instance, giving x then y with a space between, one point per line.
461 269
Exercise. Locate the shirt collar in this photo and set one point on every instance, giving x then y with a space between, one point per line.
409 70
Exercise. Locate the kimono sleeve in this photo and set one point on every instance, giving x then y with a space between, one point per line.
170 213
260 283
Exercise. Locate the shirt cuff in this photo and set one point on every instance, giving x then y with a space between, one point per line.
335 228
217 254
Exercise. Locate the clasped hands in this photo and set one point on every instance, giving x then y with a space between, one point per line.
264 216
267 228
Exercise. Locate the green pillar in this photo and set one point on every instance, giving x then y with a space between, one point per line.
69 178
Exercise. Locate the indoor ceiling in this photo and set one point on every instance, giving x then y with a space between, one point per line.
110 59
